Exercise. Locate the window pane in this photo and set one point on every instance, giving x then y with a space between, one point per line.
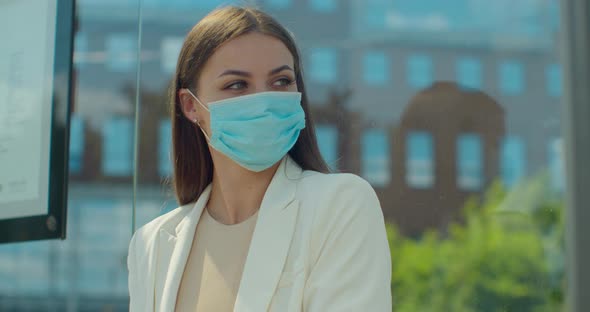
419 71
327 137
76 143
553 76
511 78
469 72
165 148
323 65
376 157
278 4
121 52
419 160
556 164
117 147
469 162
376 68
169 51
323 5
513 160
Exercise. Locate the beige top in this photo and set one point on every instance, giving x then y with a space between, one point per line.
214 267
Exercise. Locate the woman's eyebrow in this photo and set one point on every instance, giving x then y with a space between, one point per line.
279 69
247 74
235 72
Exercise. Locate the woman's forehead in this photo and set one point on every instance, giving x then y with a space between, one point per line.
253 52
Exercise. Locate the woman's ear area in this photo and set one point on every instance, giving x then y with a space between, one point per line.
188 104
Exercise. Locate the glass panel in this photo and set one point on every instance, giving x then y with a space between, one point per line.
478 112
87 271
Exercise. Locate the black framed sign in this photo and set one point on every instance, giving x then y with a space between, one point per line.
35 81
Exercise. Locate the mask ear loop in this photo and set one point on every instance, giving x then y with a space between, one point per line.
196 121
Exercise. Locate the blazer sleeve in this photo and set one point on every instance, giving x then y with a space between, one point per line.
349 254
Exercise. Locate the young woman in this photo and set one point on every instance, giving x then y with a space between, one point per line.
262 226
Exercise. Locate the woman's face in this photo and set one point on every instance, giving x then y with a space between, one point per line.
248 64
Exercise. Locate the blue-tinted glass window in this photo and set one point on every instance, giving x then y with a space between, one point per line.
323 65
511 75
165 148
169 51
376 157
419 159
117 151
512 160
469 72
323 5
554 76
327 137
376 68
375 13
121 52
76 143
469 162
278 4
80 49
419 71
556 164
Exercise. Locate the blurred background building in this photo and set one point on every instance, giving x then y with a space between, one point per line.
430 101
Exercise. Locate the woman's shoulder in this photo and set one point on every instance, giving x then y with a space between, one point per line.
167 221
330 184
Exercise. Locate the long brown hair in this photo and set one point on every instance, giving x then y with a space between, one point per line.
193 166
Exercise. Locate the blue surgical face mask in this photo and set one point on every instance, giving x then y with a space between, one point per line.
255 130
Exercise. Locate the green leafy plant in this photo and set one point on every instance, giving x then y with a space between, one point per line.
505 255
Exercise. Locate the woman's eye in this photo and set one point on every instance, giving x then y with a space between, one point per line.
238 85
283 82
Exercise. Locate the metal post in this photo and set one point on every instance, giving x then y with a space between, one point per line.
576 125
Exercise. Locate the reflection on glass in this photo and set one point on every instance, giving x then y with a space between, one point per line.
495 246
419 160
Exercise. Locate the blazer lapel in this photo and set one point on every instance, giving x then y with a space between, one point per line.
173 251
270 241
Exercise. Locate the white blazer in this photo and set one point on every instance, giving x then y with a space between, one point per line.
319 245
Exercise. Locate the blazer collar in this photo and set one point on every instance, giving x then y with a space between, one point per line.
268 248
